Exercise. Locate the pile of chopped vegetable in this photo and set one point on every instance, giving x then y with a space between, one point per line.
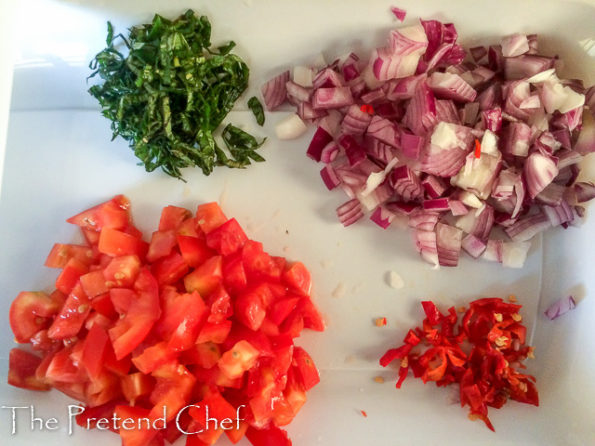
169 92
482 354
200 315
479 149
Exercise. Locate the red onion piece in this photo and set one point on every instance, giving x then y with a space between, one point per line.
514 45
451 86
402 208
539 171
437 204
384 130
585 191
494 251
446 111
473 246
411 145
329 152
526 228
421 111
492 119
425 241
399 13
526 66
297 92
356 121
560 307
350 212
334 97
330 177
320 139
478 53
406 183
382 217
274 91
423 220
517 137
457 207
552 195
448 244
434 186
559 215
307 112
327 78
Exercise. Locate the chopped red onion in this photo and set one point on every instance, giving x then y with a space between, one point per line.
320 139
350 212
517 137
478 53
492 119
406 183
446 111
514 254
329 152
399 13
526 66
423 220
526 228
558 215
384 130
448 244
274 91
327 78
297 92
451 86
494 251
560 307
411 145
457 208
354 151
434 186
425 242
539 171
329 176
552 195
474 246
334 97
585 191
436 204
421 111
382 217
514 45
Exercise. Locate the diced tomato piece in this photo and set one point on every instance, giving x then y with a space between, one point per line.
91 236
269 328
111 214
136 385
182 319
93 351
93 283
215 377
241 357
307 372
88 418
29 313
172 391
194 250
297 277
170 269
135 433
102 389
103 305
122 299
205 355
153 357
294 393
61 368
282 308
259 264
219 409
132 329
206 277
312 318
209 216
227 238
172 217
117 243
271 436
41 342
21 370
62 253
72 315
162 244
122 271
234 275
190 228
250 306
216 333
221 307
293 324
70 275
99 319
119 367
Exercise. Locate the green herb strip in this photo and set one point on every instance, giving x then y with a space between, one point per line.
257 109
170 92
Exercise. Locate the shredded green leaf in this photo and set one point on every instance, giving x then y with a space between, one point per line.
256 107
169 93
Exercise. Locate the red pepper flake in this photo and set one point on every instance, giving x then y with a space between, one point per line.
477 148
363 412
487 373
380 322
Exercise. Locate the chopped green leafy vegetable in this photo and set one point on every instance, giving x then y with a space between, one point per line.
169 93
257 109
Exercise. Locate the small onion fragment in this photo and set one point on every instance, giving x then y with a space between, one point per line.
560 307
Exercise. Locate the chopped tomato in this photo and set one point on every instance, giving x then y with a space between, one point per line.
72 316
122 271
194 250
209 216
70 275
227 238
162 244
201 316
29 313
21 370
206 277
241 357
62 253
117 243
172 217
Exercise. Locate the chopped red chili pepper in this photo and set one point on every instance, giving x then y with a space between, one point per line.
487 375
